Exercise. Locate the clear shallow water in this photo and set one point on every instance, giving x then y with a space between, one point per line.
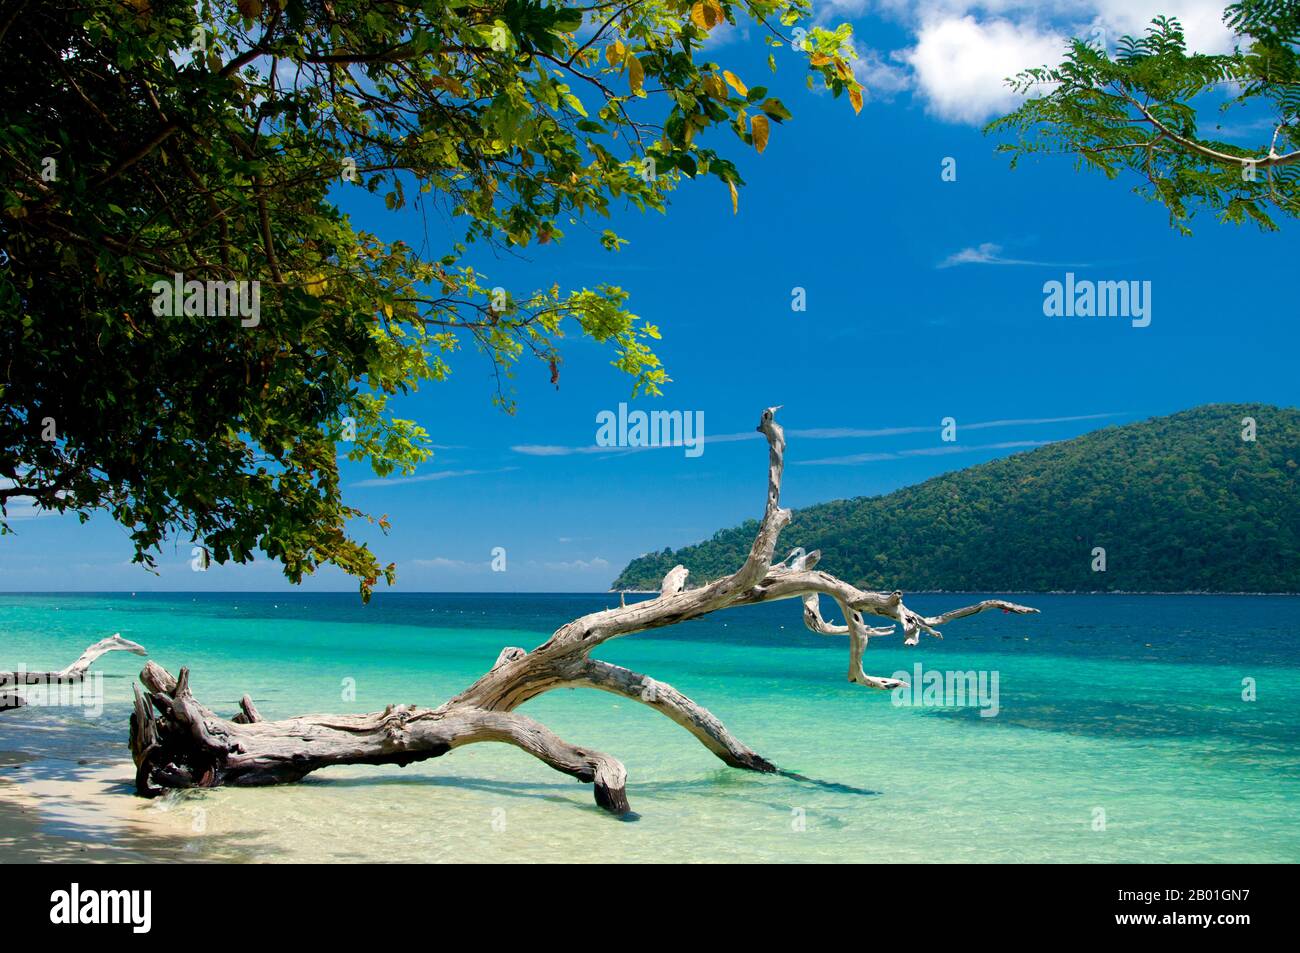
1131 705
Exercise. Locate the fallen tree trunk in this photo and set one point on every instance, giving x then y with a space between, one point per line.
11 682
178 743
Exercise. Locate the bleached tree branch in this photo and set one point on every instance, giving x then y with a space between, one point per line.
10 682
179 743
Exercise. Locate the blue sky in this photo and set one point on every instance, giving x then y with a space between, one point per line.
924 301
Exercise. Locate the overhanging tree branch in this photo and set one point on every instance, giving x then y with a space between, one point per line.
1092 104
1191 145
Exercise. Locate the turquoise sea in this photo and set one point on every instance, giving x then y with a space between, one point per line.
1121 732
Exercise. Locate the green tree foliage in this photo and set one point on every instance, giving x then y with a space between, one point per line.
1179 503
142 139
1140 112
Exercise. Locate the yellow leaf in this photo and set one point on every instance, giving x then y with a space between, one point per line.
714 87
735 198
707 15
855 97
819 59
734 82
760 127
704 16
843 69
615 53
635 73
448 83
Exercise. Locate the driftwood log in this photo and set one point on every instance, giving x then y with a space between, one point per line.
12 682
178 743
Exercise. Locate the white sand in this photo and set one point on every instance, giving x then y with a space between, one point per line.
90 819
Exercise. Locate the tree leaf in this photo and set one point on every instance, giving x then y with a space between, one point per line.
734 82
575 103
635 74
776 109
706 15
352 318
448 83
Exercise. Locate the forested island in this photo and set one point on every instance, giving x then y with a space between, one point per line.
1183 503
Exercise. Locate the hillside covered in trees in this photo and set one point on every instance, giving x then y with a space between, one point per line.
1178 503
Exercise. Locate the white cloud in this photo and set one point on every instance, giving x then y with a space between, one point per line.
579 565
987 253
725 33
554 450
880 78
964 50
441 562
835 433
924 452
961 64
428 477
1202 20
819 433
23 508
1029 421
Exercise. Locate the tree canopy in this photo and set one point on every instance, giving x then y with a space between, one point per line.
1141 112
149 139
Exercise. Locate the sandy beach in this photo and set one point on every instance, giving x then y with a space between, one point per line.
89 818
